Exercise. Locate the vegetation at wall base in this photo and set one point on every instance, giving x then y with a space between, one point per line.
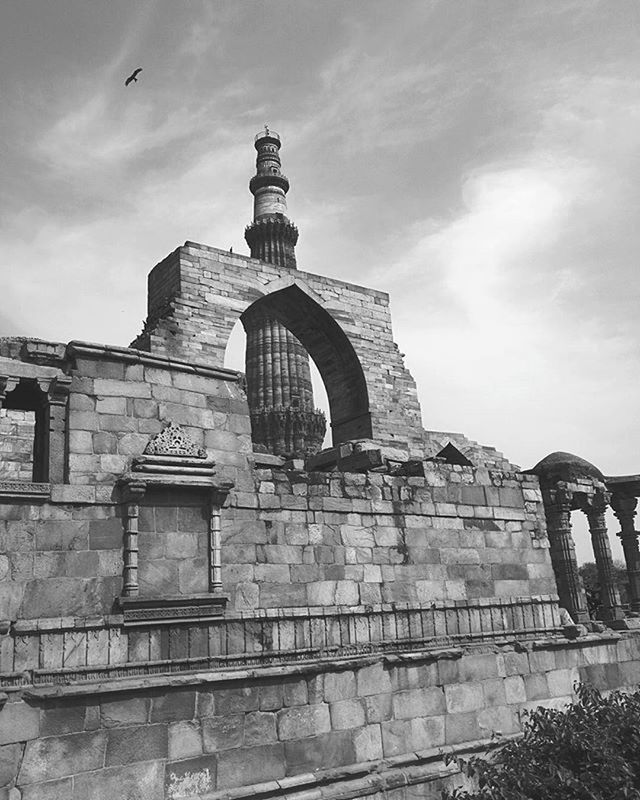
589 751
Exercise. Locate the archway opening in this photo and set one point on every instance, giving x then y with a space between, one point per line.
332 353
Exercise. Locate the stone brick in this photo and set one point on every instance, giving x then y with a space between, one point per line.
463 697
302 721
514 688
396 737
222 733
190 777
10 755
347 714
536 687
367 743
173 706
378 707
295 692
478 667
461 728
339 686
185 740
271 697
19 722
259 728
373 679
59 756
499 720
419 702
49 790
319 752
264 763
236 700
139 743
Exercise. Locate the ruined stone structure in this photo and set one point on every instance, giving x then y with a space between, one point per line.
183 614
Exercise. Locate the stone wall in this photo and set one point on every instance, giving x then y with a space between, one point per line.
17 432
347 539
372 726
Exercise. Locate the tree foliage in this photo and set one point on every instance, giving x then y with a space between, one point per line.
590 751
589 575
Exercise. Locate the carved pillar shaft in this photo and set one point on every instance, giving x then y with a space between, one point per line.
215 550
130 586
624 507
609 596
563 555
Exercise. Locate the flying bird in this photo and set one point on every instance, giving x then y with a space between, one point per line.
133 76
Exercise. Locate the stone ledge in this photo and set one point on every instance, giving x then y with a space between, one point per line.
363 779
132 356
18 490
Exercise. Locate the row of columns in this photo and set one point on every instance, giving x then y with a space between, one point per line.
559 503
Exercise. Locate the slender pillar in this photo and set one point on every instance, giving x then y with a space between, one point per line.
215 548
283 417
130 585
558 504
624 507
611 608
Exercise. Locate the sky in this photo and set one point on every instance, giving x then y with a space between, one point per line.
477 159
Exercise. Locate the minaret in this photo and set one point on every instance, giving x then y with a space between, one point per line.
280 394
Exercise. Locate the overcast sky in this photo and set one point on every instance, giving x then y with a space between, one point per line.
478 160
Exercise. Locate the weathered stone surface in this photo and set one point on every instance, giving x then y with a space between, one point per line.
185 740
188 778
263 763
59 756
319 752
19 722
302 721
138 743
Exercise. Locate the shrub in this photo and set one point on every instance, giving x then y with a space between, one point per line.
589 751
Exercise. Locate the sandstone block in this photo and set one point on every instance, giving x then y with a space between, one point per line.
319 752
138 743
339 686
173 705
302 721
461 728
396 737
479 667
499 719
236 700
259 728
10 755
419 702
59 756
373 679
295 692
143 781
222 733
19 722
463 697
367 743
347 714
271 697
536 687
514 689
49 790
263 763
189 778
427 732
185 740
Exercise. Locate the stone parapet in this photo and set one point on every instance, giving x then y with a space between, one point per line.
79 650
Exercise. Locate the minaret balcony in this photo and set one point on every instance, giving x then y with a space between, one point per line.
261 181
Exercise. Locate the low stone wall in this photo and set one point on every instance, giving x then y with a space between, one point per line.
371 726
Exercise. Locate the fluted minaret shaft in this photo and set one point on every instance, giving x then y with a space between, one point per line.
280 394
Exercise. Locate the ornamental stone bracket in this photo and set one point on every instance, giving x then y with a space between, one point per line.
171 460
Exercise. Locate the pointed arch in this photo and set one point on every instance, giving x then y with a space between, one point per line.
299 309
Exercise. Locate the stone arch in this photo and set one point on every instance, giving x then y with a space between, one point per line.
299 309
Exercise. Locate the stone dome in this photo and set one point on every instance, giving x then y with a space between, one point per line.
561 466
